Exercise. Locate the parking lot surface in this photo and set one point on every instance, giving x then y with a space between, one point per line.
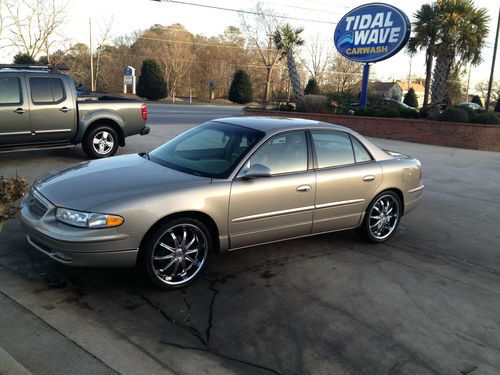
426 302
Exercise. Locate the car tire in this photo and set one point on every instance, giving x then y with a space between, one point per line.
100 142
382 217
175 263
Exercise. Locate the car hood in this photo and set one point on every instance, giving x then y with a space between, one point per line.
89 184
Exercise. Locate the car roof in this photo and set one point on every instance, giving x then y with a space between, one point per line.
273 124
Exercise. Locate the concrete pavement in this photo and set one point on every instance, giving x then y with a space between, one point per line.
425 302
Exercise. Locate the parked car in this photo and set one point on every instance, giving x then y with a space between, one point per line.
386 102
226 184
469 105
39 109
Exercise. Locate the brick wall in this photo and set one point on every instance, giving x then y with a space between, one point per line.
451 134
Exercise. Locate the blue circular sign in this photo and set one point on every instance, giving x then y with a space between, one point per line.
372 32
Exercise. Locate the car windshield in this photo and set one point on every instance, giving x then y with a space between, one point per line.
211 150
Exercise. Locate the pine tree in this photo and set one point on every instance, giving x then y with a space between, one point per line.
476 99
312 87
411 98
241 88
23 58
151 83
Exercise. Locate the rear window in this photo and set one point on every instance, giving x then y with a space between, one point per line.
45 90
10 90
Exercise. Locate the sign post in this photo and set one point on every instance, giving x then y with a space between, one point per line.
371 33
129 79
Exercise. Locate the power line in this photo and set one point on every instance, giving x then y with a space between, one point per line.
244 11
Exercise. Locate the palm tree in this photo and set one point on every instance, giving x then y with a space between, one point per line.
287 39
462 33
424 36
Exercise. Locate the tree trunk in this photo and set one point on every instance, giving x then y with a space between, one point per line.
440 77
428 74
298 93
269 71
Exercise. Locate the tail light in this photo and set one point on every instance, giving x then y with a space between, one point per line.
144 112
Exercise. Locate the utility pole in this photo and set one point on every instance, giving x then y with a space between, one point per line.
488 96
92 88
409 73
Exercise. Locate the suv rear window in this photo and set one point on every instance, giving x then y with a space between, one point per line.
46 90
10 90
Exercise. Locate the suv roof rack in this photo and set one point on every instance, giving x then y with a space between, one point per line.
34 67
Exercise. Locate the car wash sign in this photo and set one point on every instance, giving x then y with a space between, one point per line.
372 32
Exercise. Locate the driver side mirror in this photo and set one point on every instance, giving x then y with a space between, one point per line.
257 171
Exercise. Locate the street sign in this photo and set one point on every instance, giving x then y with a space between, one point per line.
129 78
372 32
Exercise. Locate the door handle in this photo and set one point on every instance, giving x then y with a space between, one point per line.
303 188
64 109
369 178
19 111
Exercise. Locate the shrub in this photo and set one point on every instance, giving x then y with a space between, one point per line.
290 107
487 118
340 102
497 106
314 103
151 83
388 112
23 58
11 190
454 114
312 87
409 113
476 99
411 98
366 111
241 88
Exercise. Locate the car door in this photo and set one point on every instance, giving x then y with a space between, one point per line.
276 207
53 115
14 111
347 176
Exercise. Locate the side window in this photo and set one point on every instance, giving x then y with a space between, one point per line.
10 90
283 153
332 148
46 90
360 152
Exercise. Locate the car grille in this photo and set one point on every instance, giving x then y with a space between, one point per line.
36 206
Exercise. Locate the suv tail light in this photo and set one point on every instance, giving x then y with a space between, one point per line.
144 112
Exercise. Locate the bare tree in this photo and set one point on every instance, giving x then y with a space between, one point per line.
343 75
34 25
105 34
318 57
482 87
260 29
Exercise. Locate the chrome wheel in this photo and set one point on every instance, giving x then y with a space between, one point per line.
384 217
103 142
179 254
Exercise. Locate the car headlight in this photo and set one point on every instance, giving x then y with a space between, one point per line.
87 219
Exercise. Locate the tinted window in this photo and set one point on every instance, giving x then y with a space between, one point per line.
57 90
210 150
360 152
46 90
332 149
283 153
10 90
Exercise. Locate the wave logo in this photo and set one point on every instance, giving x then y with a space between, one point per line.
347 38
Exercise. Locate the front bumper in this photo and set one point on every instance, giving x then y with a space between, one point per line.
76 246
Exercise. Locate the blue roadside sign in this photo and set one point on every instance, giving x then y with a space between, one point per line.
372 32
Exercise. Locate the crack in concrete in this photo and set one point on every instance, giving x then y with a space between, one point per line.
221 355
187 325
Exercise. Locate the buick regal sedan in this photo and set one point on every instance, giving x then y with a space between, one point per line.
226 184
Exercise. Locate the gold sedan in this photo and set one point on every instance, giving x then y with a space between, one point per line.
226 184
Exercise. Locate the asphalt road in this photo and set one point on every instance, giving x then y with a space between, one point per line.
426 302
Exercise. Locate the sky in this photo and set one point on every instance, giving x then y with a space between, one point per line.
130 15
